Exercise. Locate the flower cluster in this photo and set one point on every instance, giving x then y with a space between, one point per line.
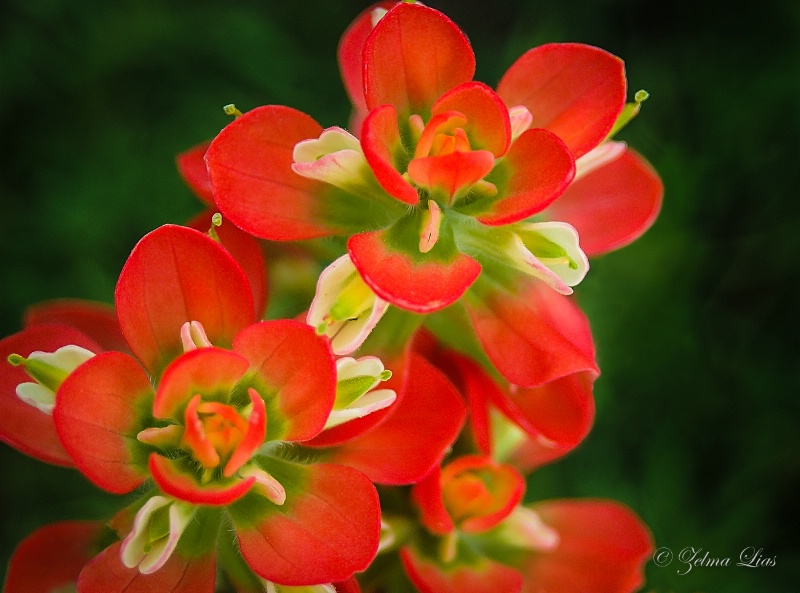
380 440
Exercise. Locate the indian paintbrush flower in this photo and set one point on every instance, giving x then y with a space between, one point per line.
252 446
446 188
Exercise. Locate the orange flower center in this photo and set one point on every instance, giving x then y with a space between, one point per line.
467 495
213 431
444 134
223 426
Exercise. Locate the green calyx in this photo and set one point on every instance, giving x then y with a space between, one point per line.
353 300
157 528
43 373
545 250
349 390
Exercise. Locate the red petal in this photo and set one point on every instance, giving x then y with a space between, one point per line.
576 91
298 372
192 167
488 126
427 497
477 387
535 171
96 320
246 251
402 70
208 371
174 275
422 285
533 335
254 185
253 438
613 205
415 437
171 478
323 533
603 547
560 411
98 415
351 54
481 576
383 149
23 426
106 574
535 452
52 557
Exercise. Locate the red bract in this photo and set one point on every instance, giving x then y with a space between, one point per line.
51 558
532 426
603 547
245 250
208 409
575 91
192 167
478 576
173 276
533 335
106 572
96 320
613 203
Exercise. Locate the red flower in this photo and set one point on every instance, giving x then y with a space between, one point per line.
525 427
209 409
450 179
473 493
567 546
445 168
228 425
471 535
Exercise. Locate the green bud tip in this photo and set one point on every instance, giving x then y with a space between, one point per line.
16 359
230 109
321 328
385 375
216 221
641 96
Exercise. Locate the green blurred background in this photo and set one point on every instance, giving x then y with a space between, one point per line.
696 324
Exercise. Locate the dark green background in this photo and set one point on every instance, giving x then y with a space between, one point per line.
696 324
